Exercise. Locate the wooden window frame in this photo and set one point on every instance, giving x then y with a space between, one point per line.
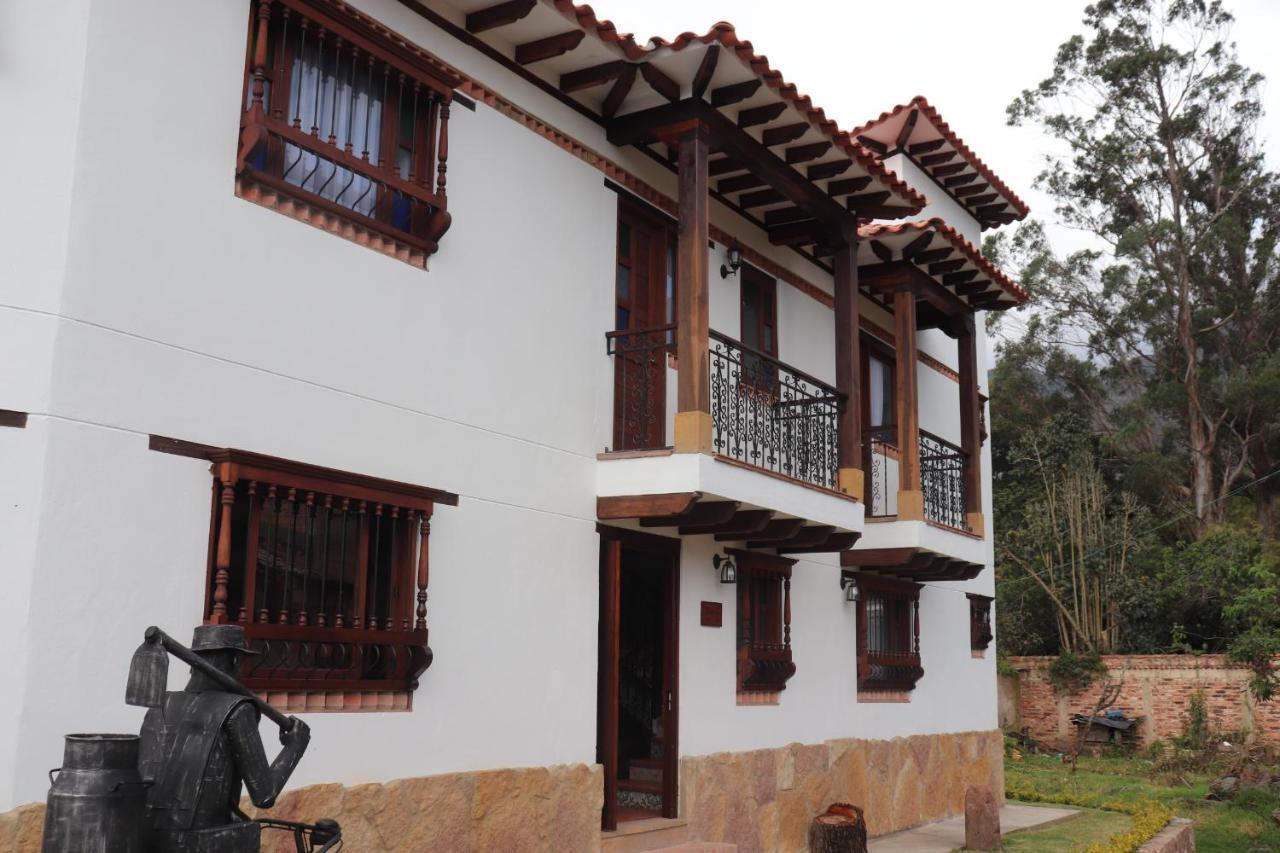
897 670
763 665
357 44
377 640
981 632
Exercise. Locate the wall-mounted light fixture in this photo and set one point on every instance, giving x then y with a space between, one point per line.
727 568
735 261
850 587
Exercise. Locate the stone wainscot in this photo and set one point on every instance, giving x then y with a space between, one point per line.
761 800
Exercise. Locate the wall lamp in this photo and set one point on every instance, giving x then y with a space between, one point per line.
850 587
727 567
735 262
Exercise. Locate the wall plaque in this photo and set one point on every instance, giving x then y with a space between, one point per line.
712 614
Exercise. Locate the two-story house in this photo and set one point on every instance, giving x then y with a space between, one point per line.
587 432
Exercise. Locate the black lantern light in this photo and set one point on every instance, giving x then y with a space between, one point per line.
735 262
850 587
727 567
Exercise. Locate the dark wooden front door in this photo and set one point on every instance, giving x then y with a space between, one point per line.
639 680
644 291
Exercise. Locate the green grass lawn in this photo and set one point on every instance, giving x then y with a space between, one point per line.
1243 825
1089 827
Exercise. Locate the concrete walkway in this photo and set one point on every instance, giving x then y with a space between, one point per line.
947 835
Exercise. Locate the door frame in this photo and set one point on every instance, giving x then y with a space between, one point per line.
612 542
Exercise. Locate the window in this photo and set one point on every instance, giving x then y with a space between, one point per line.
327 571
346 122
888 633
764 622
759 321
980 635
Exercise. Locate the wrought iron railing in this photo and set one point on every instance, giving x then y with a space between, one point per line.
639 383
771 415
942 469
942 476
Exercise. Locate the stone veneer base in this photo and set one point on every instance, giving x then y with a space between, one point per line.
762 800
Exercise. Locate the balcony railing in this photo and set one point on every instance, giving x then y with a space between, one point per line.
771 415
942 476
639 386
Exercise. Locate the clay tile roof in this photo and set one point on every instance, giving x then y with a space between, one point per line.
1018 208
957 240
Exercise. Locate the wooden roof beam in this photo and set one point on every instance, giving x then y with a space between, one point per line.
868 204
549 47
926 147
661 83
643 506
845 186
618 93
917 245
805 153
706 512
930 256
805 537
706 70
873 144
842 541
959 180
948 169
778 530
828 170
498 16
774 136
947 266
936 159
760 115
734 93
742 524
953 278
738 183
761 198
907 127
587 78
973 288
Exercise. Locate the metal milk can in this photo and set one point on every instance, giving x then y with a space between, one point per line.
97 799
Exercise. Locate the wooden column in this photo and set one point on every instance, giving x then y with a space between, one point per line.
693 410
610 649
849 370
907 406
971 424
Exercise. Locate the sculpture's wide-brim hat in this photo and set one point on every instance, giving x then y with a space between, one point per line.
210 638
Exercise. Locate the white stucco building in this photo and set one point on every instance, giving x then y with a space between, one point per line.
289 278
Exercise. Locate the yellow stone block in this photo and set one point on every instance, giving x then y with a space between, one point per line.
910 505
693 432
851 482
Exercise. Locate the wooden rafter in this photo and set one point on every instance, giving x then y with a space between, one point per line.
835 542
828 170
734 93
805 153
738 183
761 198
499 15
760 115
926 147
948 169
868 204
706 70
845 186
549 47
619 91
743 523
973 288
918 245
932 255
704 512
947 266
959 180
874 144
773 136
907 127
643 506
587 78
661 83
881 251
935 159
775 531
805 537
953 278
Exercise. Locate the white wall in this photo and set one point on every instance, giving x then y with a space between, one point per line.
149 300
940 202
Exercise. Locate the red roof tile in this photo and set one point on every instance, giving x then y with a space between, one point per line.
956 239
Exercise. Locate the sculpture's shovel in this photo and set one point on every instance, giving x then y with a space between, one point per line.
149 675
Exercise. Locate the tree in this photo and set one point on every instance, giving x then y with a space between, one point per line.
1164 168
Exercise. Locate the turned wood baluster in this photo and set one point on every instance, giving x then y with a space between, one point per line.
321 618
333 104
302 56
915 626
309 522
222 573
315 110
441 165
362 566
786 612
250 586
393 582
424 532
292 501
264 615
279 99
372 623
413 136
256 108
341 619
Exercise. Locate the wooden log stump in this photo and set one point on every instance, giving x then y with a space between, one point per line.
841 829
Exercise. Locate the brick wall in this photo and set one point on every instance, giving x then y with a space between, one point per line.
1156 687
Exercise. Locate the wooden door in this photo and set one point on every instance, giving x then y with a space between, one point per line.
639 577
644 296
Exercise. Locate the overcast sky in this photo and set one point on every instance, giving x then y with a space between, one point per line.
970 59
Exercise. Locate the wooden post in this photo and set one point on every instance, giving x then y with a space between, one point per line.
610 648
693 411
420 622
971 425
850 478
907 406
222 563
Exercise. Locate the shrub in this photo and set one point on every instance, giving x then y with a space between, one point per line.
1072 672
